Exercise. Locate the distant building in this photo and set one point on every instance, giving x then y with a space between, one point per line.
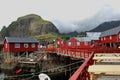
111 37
15 44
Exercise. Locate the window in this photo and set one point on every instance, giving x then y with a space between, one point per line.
58 42
110 37
104 38
33 45
86 43
17 45
61 42
69 43
6 45
101 39
78 43
119 36
25 45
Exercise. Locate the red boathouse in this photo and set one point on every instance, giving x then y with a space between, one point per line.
15 44
111 37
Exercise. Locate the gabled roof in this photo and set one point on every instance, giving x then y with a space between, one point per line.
20 40
110 32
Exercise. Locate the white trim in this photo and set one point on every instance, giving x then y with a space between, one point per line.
25 45
17 45
33 45
119 36
110 37
85 43
69 43
78 43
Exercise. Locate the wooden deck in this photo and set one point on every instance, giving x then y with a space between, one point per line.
109 78
105 67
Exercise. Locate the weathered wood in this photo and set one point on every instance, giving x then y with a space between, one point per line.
107 69
106 58
106 54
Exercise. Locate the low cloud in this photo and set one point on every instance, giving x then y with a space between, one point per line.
104 15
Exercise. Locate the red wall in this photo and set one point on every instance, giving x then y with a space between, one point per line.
74 44
61 44
21 49
108 40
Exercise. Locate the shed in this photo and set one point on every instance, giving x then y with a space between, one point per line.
76 42
111 37
16 44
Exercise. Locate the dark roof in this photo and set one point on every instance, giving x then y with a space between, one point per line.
110 32
20 40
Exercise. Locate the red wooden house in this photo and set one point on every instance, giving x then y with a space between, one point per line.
111 37
61 43
83 42
14 44
91 40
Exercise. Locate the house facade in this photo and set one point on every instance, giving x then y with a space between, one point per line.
111 37
14 44
76 42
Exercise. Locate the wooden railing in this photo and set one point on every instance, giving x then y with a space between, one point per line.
82 73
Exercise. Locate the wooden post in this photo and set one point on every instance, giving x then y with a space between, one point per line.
26 54
110 45
92 76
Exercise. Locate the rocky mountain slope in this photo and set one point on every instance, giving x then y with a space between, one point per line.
29 25
105 26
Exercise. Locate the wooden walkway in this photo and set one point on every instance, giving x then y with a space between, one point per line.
105 67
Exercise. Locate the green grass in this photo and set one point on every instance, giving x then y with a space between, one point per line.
42 22
49 36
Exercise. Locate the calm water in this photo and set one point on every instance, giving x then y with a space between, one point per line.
60 76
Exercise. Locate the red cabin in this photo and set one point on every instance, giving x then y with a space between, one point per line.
20 44
111 37
60 43
83 42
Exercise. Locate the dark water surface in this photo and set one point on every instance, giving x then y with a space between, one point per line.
10 75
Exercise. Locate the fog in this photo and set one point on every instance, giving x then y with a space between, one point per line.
104 15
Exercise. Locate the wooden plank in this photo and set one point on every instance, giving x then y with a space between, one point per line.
107 69
23 62
106 58
106 54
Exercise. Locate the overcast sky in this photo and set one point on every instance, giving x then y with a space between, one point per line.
67 15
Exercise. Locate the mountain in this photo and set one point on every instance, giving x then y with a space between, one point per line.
105 26
29 25
71 34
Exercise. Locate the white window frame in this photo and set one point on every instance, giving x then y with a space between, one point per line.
61 42
78 43
58 42
104 38
33 45
69 43
17 45
101 39
119 36
25 45
6 45
85 43
110 37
